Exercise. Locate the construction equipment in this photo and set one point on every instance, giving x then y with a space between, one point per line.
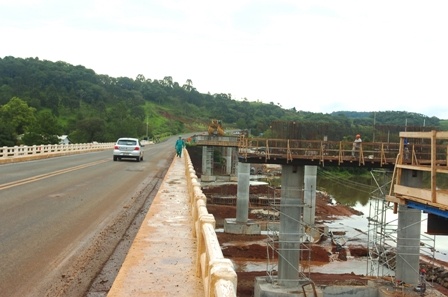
215 128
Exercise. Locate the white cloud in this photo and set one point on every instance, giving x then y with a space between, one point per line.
315 56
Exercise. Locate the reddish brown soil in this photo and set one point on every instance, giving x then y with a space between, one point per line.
251 247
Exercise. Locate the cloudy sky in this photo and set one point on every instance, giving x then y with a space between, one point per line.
318 56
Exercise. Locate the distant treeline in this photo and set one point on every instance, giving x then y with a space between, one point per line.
41 99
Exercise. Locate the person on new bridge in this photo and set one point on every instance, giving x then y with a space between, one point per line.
356 144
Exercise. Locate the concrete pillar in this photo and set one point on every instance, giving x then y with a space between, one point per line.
235 161
207 164
242 199
408 234
241 224
228 158
309 211
206 169
291 205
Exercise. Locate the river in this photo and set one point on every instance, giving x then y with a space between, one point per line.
357 192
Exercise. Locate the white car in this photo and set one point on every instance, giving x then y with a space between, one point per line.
128 148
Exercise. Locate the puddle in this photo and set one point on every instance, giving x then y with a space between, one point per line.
357 266
249 266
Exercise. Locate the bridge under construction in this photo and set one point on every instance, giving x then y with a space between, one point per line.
418 163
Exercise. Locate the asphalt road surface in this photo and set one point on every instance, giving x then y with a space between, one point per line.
63 219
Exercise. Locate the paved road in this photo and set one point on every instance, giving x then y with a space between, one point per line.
61 218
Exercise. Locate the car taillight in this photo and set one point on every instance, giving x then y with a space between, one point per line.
116 147
136 148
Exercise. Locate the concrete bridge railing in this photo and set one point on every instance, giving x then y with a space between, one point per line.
26 153
218 274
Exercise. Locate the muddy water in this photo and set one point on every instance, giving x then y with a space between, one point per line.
356 192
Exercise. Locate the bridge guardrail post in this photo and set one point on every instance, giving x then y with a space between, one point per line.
205 255
223 279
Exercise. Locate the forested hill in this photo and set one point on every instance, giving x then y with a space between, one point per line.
40 99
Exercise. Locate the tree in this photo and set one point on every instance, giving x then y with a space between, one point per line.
7 137
75 93
18 114
90 129
167 81
188 86
45 129
140 78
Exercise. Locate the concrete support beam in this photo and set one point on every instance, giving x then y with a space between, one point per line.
408 245
207 164
408 234
291 207
228 152
242 224
242 201
309 211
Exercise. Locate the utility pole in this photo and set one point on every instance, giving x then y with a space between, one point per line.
374 120
147 128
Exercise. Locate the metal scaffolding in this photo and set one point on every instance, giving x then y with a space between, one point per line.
382 231
275 251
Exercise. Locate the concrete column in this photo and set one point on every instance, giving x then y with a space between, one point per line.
207 164
408 234
206 169
235 161
241 224
408 245
228 158
309 211
291 205
242 199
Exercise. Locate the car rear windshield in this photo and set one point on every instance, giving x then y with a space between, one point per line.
127 142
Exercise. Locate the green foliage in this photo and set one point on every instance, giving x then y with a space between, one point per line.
32 138
45 129
7 134
18 114
41 99
89 130
443 125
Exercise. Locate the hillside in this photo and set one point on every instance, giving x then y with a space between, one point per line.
40 99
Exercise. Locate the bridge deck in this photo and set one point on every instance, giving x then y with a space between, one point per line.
426 152
328 153
162 259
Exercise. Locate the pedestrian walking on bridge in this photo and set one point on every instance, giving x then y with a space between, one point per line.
179 146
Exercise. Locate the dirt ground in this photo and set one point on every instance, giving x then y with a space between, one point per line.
253 247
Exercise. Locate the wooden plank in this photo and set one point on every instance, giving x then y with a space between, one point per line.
442 134
415 134
439 134
433 165
395 200
409 192
423 196
414 167
442 170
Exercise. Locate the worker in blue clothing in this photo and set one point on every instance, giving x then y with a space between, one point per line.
179 146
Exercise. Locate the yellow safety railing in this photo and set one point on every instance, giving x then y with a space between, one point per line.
337 152
431 160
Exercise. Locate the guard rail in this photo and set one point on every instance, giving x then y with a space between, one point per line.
26 153
218 274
